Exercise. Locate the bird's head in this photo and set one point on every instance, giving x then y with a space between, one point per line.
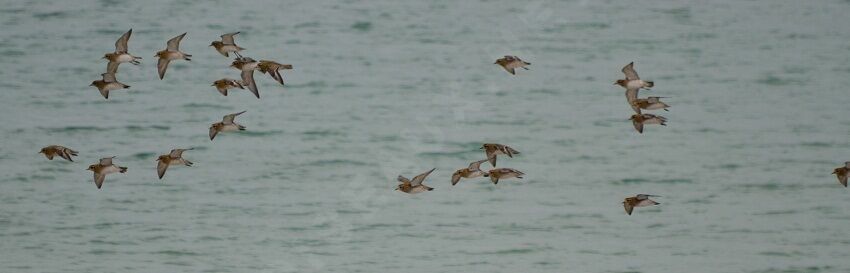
621 82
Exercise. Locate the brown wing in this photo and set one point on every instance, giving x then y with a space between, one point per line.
248 80
228 119
221 89
630 72
177 153
631 98
455 178
628 206
98 179
174 43
419 178
227 39
842 178
161 167
213 132
476 166
121 44
112 67
161 66
638 126
106 161
108 77
491 154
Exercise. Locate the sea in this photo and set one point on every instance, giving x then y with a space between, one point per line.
758 120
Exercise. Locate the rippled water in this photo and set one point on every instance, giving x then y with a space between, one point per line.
758 120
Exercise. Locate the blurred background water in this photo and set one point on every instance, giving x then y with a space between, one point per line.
381 88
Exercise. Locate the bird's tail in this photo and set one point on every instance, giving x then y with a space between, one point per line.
650 84
123 169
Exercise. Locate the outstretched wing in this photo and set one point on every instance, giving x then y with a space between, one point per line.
106 161
455 178
638 126
630 72
476 166
227 39
121 44
213 132
628 206
161 66
98 179
419 178
403 179
177 153
112 67
174 43
632 98
228 119
248 80
161 167
108 77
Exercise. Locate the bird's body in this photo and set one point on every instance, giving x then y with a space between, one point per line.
273 69
121 54
841 173
503 173
414 186
227 45
640 200
511 63
639 120
171 52
227 124
175 157
493 149
57 150
108 83
474 170
104 167
223 85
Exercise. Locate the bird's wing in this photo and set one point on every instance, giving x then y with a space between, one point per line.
174 43
419 178
121 44
106 161
228 38
628 206
403 179
161 167
98 179
213 132
476 166
630 72
108 77
842 178
455 178
248 80
176 153
112 67
104 92
221 89
228 119
638 126
161 66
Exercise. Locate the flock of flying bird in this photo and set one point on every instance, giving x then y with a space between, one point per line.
632 83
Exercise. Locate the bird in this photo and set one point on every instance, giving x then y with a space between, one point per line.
120 55
272 68
247 66
841 173
638 120
171 52
175 157
414 186
107 84
223 84
632 80
496 174
226 125
61 151
474 170
640 200
649 103
510 63
493 149
104 167
227 45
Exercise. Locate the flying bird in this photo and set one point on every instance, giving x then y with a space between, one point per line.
503 173
414 186
474 170
104 167
226 125
227 45
223 85
247 66
120 55
171 52
649 103
841 173
107 84
510 63
493 149
273 69
638 120
57 150
175 157
640 200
